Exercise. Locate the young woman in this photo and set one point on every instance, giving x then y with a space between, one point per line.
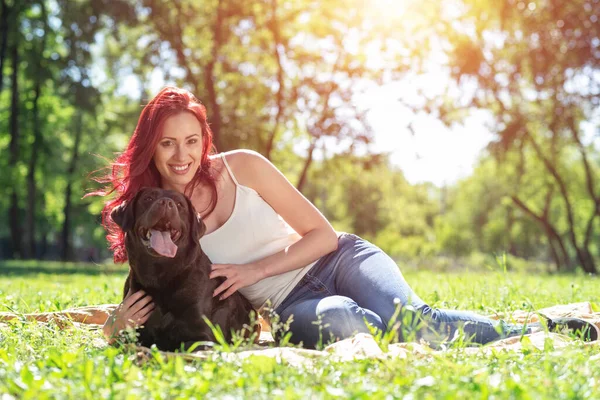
268 240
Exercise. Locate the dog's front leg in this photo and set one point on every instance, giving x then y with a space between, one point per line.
182 333
150 331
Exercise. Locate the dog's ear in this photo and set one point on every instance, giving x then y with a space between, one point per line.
123 215
197 226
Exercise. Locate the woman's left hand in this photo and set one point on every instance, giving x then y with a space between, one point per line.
236 276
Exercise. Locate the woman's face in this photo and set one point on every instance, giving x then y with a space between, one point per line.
179 152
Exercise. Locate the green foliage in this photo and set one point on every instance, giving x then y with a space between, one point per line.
367 197
39 360
522 64
282 78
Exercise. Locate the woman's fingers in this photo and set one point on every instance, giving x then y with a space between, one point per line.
135 309
223 286
140 304
224 272
131 300
148 310
229 291
144 314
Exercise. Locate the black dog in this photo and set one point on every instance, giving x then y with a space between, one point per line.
162 233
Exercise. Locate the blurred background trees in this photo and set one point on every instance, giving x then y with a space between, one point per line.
283 78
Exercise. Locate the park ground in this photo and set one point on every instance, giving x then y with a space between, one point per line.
40 360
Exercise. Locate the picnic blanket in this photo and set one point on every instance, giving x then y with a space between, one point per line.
359 346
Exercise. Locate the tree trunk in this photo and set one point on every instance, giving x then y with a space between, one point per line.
553 236
307 163
37 141
510 221
581 252
175 38
209 80
44 228
4 11
16 246
554 254
14 107
586 260
315 131
16 231
66 246
510 214
279 95
551 232
31 186
590 178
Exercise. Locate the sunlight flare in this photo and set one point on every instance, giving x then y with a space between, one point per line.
393 8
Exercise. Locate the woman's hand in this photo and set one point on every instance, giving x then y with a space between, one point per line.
134 310
236 277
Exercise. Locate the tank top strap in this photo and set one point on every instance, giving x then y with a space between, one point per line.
229 169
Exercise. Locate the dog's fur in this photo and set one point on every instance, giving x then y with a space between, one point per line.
180 286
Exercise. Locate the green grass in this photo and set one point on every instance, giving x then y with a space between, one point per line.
43 361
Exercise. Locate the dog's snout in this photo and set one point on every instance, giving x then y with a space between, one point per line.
167 202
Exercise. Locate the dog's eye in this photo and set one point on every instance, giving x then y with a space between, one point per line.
149 198
179 204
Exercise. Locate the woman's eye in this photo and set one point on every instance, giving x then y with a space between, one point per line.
193 141
166 143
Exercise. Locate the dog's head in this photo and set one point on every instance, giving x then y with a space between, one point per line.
162 223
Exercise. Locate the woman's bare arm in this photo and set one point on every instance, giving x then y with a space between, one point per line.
318 236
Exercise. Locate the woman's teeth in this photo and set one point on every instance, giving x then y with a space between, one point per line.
180 169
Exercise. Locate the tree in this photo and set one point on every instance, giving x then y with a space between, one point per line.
270 72
39 75
534 67
15 132
366 196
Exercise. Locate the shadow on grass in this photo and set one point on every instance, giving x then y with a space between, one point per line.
34 267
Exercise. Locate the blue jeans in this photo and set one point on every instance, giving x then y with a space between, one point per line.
359 282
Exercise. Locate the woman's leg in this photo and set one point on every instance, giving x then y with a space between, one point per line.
364 273
323 320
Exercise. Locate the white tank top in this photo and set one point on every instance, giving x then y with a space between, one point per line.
254 231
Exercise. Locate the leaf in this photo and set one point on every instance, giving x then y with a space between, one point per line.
527 345
88 370
26 376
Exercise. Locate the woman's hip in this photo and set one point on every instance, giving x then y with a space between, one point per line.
324 278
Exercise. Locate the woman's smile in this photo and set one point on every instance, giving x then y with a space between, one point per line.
180 169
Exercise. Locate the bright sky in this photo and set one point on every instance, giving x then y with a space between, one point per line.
433 153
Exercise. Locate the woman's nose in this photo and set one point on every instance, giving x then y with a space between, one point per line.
179 152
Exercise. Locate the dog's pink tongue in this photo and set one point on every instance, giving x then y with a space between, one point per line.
161 243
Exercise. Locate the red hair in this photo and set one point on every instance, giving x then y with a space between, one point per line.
135 169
